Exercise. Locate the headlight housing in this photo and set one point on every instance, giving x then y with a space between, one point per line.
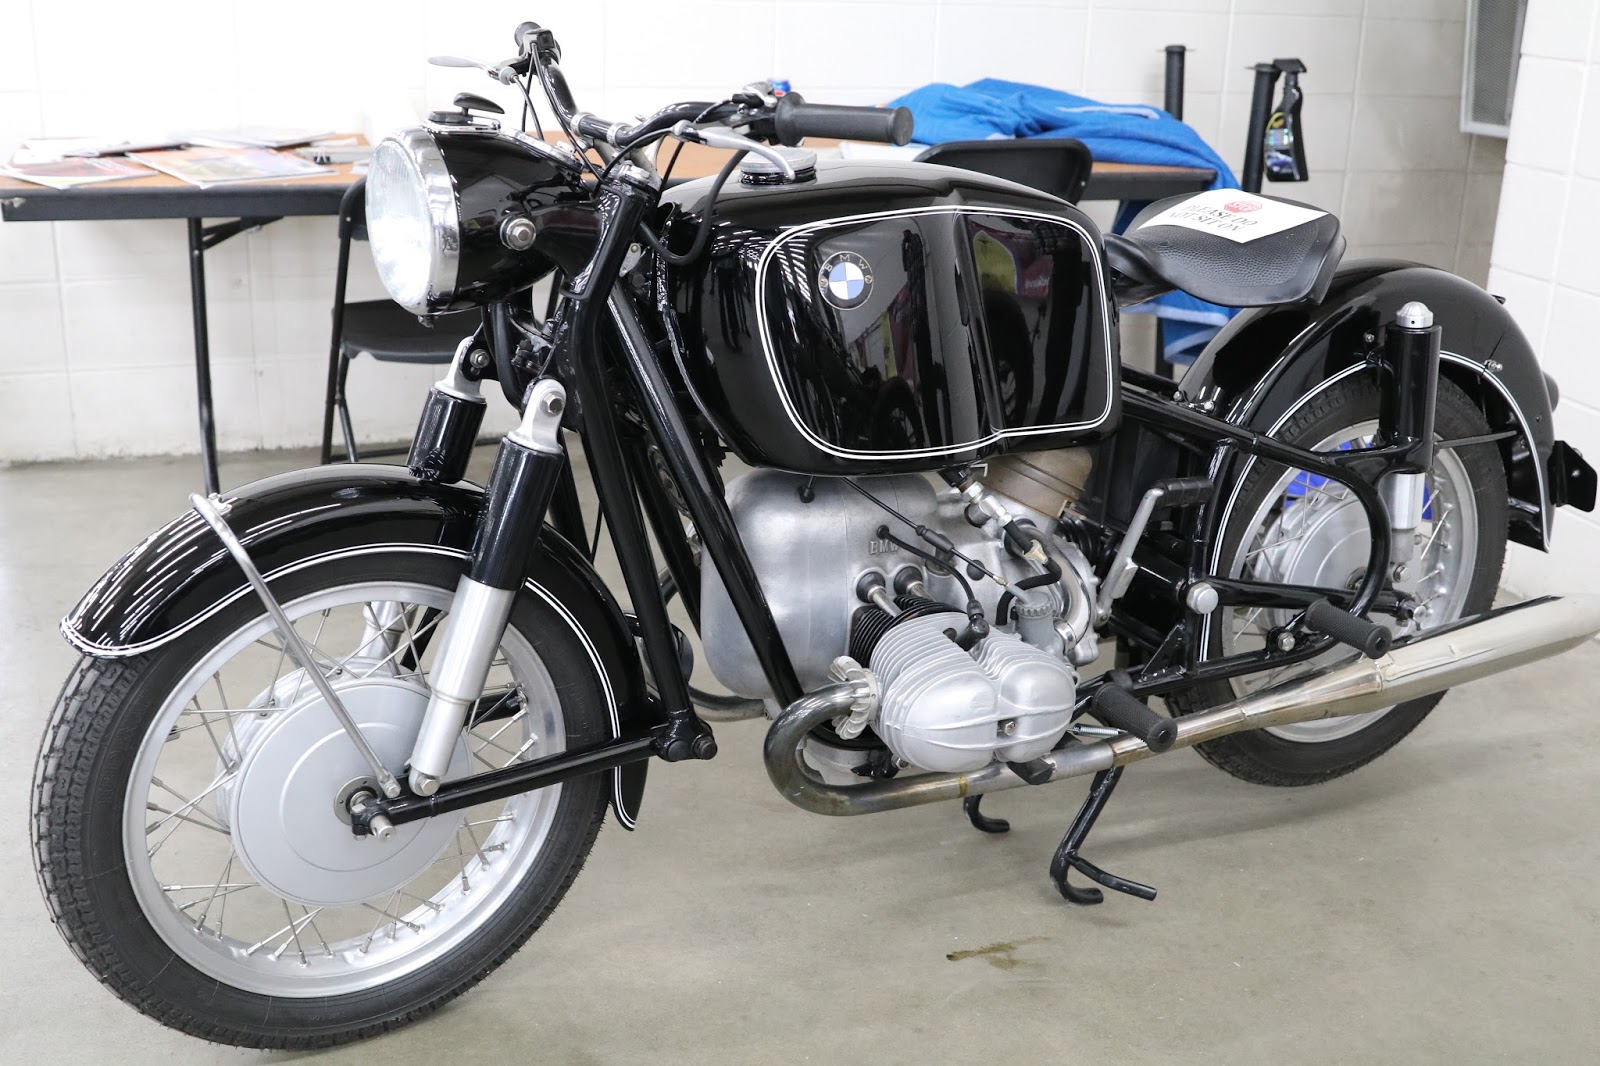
413 222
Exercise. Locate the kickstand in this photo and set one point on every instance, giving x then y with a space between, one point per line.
1067 857
980 821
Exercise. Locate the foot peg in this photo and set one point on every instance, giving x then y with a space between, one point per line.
1369 638
1117 707
980 821
1067 858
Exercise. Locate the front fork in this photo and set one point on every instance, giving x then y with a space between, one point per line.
526 476
524 481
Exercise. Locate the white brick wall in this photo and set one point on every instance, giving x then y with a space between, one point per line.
1544 260
95 346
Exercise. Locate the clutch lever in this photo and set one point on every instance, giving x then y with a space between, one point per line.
505 73
720 137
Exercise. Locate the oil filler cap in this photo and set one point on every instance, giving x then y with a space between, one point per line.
758 170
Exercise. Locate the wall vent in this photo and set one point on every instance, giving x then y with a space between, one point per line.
1489 76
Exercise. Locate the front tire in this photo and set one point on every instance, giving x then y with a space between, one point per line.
180 896
1466 484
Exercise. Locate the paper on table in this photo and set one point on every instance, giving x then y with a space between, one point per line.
206 167
70 173
256 137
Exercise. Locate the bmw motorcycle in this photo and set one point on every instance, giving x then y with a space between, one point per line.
341 739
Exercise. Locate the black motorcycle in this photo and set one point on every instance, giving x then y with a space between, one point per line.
341 739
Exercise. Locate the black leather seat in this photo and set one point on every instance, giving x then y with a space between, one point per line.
1285 267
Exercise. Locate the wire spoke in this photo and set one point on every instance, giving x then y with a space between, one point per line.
291 929
313 645
477 845
490 741
483 715
381 663
224 890
295 925
188 804
394 921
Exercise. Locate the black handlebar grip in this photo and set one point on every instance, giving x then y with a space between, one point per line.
1120 709
794 119
1369 638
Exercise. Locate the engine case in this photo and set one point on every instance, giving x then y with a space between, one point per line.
946 709
811 539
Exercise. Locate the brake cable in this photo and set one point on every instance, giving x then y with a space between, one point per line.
702 232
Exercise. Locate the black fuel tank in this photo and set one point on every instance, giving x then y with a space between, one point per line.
892 316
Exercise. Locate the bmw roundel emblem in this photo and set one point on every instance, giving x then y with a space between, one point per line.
845 280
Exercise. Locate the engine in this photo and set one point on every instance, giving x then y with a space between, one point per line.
962 679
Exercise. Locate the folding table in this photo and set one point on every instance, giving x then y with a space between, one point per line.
248 206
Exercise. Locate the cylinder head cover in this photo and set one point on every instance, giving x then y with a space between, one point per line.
951 710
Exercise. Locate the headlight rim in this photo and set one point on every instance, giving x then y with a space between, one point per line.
426 159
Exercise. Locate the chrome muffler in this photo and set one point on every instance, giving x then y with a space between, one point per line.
1442 658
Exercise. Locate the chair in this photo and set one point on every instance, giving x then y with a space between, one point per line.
1056 165
379 328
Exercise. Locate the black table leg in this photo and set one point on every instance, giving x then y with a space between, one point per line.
202 355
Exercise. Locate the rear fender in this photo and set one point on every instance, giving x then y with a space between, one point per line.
1270 360
181 574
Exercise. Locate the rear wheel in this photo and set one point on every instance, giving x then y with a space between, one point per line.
191 814
1290 526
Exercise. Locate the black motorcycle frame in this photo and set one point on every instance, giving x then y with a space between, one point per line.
649 454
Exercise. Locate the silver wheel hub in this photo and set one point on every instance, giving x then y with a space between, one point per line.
283 806
1314 532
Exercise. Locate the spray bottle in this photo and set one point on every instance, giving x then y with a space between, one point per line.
1284 143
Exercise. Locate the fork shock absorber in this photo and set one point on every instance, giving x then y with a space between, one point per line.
1411 350
524 480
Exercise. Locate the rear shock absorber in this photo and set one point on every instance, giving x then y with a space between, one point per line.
1411 350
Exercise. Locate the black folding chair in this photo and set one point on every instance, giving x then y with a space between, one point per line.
1056 165
379 328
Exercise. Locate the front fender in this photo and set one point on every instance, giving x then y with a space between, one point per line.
181 575
1268 359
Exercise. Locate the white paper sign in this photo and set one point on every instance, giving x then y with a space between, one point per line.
1239 216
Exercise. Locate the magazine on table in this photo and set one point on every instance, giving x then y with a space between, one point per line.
206 167
70 173
256 137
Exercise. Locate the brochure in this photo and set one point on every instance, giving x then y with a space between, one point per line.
70 173
206 167
256 137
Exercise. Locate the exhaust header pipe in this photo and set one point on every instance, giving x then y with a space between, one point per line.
1464 651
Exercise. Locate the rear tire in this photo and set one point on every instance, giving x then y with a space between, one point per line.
106 717
1266 759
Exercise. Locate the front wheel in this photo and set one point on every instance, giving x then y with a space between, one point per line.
191 812
1291 527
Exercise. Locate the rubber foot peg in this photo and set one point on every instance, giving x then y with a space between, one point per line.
1369 638
1185 491
1037 772
1121 709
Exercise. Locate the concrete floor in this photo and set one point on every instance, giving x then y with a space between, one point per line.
1438 906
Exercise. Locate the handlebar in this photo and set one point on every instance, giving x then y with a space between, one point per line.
787 120
793 119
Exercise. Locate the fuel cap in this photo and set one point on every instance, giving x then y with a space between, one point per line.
759 170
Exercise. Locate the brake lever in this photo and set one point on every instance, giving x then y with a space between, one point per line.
719 137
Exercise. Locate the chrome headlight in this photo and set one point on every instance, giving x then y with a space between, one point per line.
412 221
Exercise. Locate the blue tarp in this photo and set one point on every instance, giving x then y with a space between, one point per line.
1116 133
